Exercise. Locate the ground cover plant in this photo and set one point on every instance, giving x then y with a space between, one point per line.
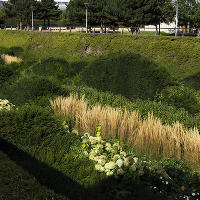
68 161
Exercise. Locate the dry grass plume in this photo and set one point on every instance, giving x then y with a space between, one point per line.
10 59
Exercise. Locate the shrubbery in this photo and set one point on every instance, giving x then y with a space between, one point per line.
181 97
128 74
29 88
53 67
29 125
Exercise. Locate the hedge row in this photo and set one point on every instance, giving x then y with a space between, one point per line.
171 52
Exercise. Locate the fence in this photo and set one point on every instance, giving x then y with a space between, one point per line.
124 30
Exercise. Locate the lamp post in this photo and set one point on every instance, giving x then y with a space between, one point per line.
86 16
32 18
176 31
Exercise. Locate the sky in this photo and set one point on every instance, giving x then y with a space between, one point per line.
61 3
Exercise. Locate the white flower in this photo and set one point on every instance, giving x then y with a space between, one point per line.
116 157
101 161
91 157
119 162
97 167
110 165
85 141
99 146
109 173
120 171
86 153
98 139
135 159
102 169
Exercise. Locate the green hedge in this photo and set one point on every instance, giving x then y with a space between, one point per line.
170 52
128 74
29 88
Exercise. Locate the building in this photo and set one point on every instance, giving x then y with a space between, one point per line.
61 3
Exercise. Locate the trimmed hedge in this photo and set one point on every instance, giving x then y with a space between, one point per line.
70 46
29 88
128 74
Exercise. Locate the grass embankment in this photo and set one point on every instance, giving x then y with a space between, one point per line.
181 55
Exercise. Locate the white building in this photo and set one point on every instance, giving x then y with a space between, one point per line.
61 3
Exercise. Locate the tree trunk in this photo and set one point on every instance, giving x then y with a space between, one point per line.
101 25
48 22
159 28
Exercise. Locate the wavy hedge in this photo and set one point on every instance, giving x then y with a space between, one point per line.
181 55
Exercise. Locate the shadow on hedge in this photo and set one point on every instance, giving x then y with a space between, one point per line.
128 74
12 51
193 81
61 184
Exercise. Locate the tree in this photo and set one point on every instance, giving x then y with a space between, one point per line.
75 13
47 10
21 9
187 12
197 15
2 16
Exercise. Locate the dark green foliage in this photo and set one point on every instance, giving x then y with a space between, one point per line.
5 73
55 67
29 125
180 173
193 81
47 10
127 74
77 66
3 50
15 51
181 97
28 88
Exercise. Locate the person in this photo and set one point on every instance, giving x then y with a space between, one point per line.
40 28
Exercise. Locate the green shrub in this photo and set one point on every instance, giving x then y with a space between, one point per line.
29 125
15 51
180 97
55 67
5 73
128 74
29 88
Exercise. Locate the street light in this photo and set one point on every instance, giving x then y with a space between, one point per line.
32 17
86 18
176 31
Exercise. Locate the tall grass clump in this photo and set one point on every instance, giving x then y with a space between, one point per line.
10 59
147 136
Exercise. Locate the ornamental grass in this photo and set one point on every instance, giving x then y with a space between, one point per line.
10 59
147 136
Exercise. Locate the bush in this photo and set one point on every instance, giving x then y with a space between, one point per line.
128 74
15 51
55 67
29 88
181 97
5 73
29 125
